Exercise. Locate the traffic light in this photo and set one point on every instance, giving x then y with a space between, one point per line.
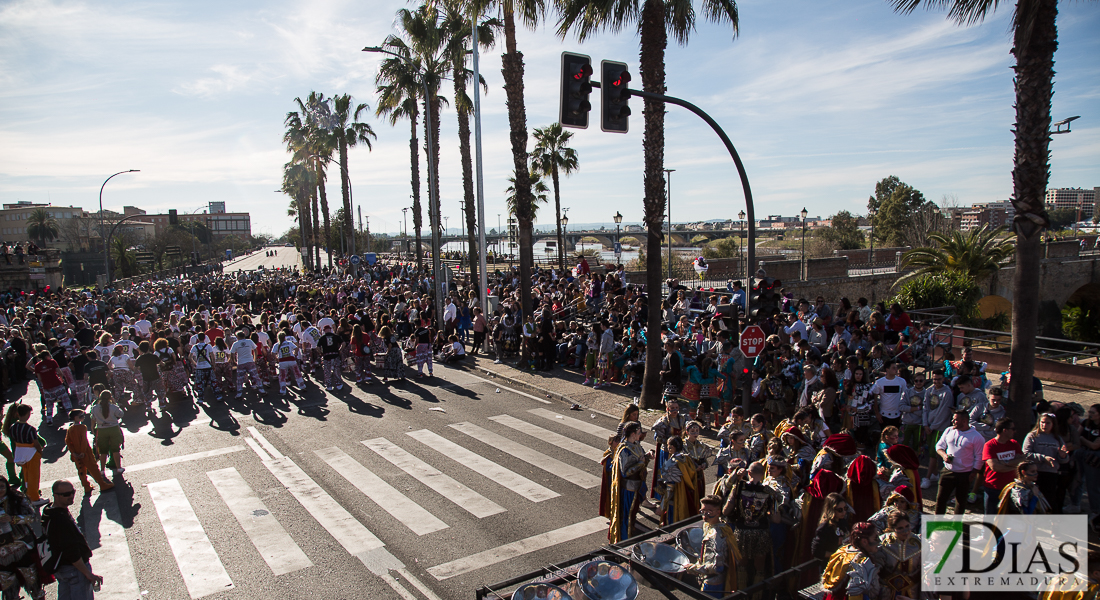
576 75
173 217
614 111
765 298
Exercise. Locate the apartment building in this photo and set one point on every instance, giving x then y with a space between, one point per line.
1078 199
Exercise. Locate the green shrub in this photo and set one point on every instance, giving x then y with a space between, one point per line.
942 289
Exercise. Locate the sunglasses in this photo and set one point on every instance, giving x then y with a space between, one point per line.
66 494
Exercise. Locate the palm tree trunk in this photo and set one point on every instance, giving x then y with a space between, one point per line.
345 185
414 150
314 229
324 210
467 170
654 39
305 230
557 214
512 69
1034 50
436 105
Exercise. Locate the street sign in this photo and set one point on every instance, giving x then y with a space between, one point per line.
752 341
618 248
355 259
37 276
37 269
371 258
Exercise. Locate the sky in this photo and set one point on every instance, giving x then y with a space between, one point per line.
822 99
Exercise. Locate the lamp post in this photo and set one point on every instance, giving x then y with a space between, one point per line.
405 231
740 241
433 194
871 217
803 261
668 183
106 250
618 247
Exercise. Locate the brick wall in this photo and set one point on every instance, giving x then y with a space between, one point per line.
1068 248
817 268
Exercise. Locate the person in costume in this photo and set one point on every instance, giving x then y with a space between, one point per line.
628 486
863 490
735 423
836 452
734 454
719 559
677 480
606 475
782 479
824 482
901 501
750 508
671 424
18 556
851 573
833 528
758 437
701 453
1092 588
799 451
82 455
1022 496
906 471
900 556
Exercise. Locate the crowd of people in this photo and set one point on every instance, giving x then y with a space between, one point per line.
853 399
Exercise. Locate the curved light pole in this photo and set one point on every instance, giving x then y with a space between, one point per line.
106 250
433 194
803 261
740 248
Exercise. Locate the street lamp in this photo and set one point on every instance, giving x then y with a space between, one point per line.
405 212
668 181
871 217
433 194
803 213
740 241
106 256
618 246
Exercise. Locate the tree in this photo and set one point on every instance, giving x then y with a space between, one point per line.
539 192
553 157
977 253
312 144
349 132
655 19
42 226
948 288
398 90
1062 218
125 259
843 231
924 222
1035 37
298 183
894 202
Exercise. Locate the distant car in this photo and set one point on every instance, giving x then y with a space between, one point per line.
289 245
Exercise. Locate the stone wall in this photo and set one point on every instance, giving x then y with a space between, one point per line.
862 256
18 276
818 268
1068 248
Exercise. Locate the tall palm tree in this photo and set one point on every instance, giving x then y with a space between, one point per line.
398 90
312 143
458 39
977 253
348 132
538 192
42 226
125 260
553 157
655 20
298 182
1035 38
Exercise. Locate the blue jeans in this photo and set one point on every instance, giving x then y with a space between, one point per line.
72 585
992 499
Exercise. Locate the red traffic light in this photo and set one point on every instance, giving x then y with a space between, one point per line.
584 71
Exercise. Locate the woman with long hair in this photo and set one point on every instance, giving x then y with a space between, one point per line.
1023 496
122 374
107 418
857 394
223 369
1041 445
832 528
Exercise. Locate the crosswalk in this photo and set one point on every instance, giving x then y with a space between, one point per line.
413 478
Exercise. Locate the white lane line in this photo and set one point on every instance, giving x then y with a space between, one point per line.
257 449
341 525
580 425
266 444
483 466
198 562
533 457
399 506
464 497
550 437
518 548
271 540
175 460
419 585
513 390
112 554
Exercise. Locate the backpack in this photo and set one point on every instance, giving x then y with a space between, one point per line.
49 560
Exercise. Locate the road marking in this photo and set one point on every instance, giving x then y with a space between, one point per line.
271 540
419 585
257 449
107 538
175 460
483 466
471 501
400 507
513 390
550 437
533 457
341 525
198 562
266 444
518 548
580 425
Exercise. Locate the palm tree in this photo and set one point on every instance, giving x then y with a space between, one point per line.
1035 37
125 260
655 20
977 253
538 190
313 144
349 132
553 157
459 37
42 226
397 99
298 182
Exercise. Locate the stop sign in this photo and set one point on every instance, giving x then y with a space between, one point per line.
752 341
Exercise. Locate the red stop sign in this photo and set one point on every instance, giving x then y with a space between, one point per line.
752 341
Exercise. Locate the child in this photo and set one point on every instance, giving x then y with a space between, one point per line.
593 346
80 451
889 438
912 420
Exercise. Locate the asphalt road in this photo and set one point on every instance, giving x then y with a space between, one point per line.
418 490
288 258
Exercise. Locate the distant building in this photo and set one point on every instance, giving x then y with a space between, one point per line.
221 224
993 214
1077 199
13 220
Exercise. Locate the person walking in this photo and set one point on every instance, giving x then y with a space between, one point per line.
69 549
1001 455
28 448
107 417
960 447
82 455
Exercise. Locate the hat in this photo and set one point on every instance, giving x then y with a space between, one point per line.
797 434
902 491
903 456
841 443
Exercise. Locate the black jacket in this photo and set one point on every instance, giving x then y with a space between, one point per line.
66 540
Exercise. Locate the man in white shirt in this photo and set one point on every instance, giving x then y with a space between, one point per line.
450 317
796 325
242 350
960 447
143 326
892 392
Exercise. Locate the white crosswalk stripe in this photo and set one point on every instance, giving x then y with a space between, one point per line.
538 459
589 428
107 539
550 437
483 466
198 562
